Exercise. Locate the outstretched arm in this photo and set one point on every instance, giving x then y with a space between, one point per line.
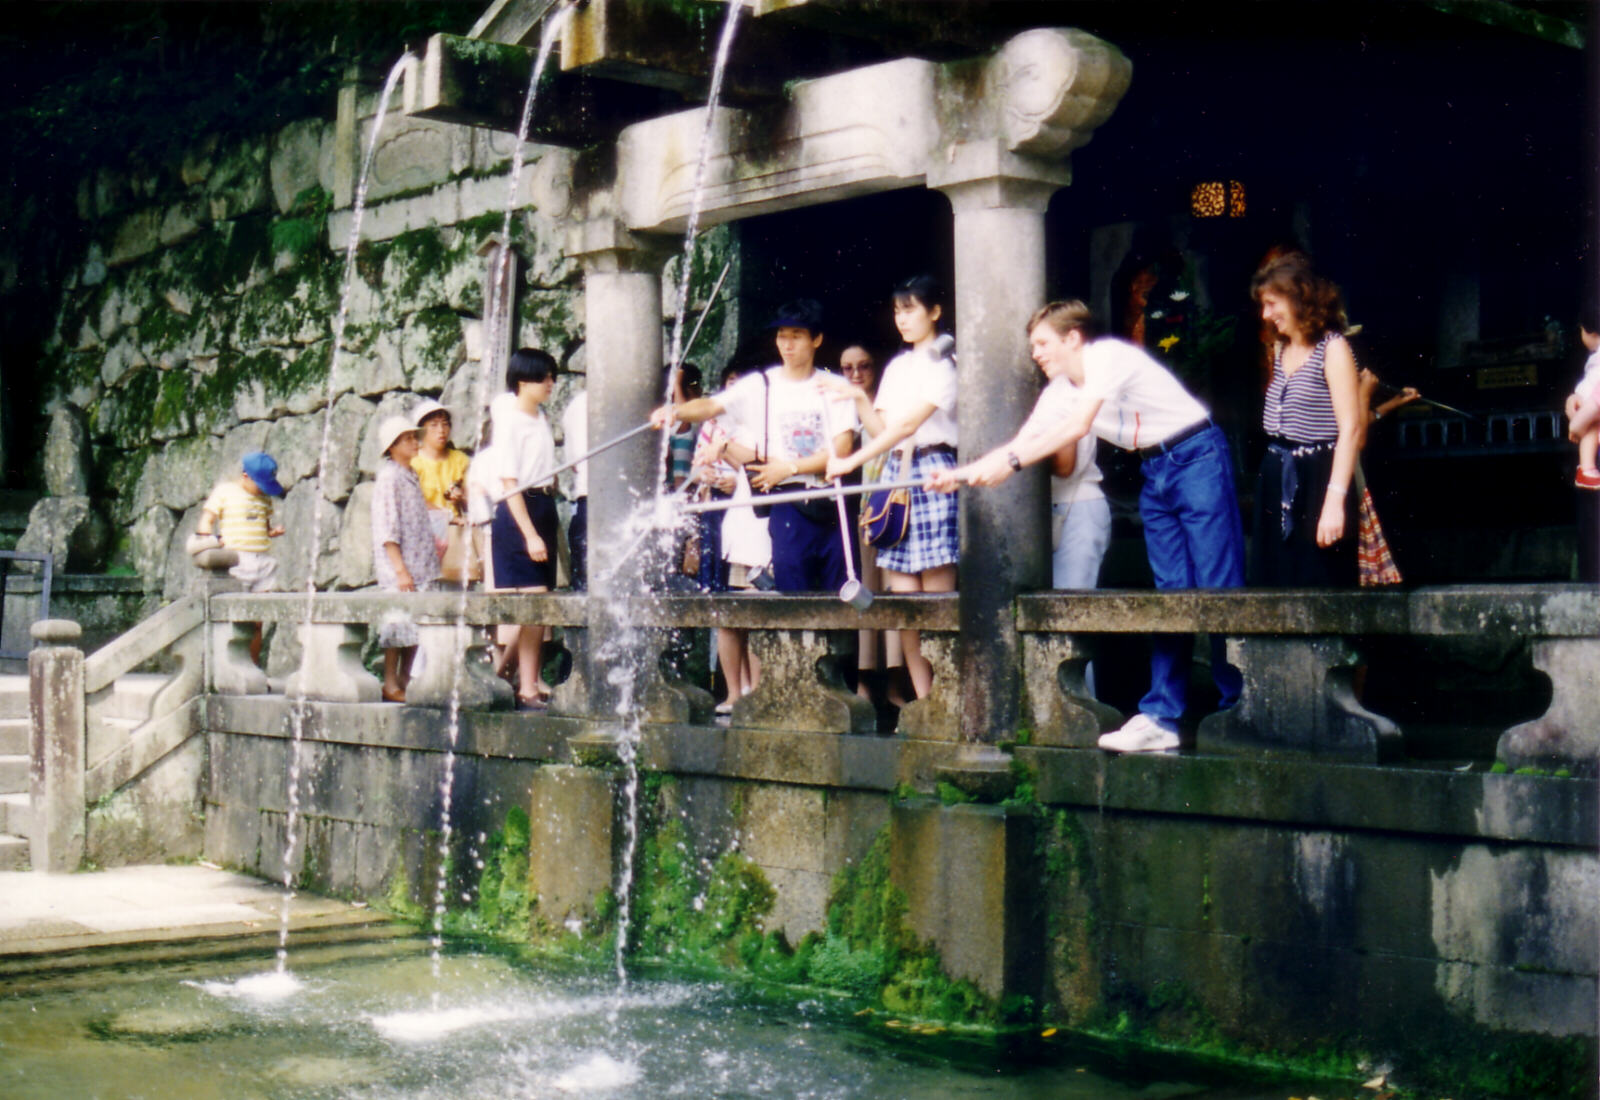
1032 444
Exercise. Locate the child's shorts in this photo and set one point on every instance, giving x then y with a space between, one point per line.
255 570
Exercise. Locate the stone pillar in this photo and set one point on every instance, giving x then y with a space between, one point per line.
622 317
57 706
999 201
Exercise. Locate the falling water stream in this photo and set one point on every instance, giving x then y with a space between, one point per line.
659 516
297 711
498 326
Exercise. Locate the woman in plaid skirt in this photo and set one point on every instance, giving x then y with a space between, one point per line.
913 420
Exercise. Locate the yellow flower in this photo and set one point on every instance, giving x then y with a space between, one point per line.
1166 342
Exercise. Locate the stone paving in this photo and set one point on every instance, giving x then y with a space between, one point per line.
49 913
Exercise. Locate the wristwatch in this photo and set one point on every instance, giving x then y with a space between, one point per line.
1014 461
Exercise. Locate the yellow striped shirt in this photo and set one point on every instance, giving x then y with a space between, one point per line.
243 517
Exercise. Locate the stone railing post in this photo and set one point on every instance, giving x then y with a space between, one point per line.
232 672
999 201
58 708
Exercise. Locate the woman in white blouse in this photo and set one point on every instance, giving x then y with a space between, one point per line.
913 419
525 527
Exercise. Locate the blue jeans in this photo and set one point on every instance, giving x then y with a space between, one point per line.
807 556
1085 533
1194 539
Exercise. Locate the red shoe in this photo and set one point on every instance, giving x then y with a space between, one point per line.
1587 479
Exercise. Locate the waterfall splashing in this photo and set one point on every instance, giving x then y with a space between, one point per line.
297 712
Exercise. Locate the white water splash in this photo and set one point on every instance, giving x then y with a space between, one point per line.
597 1072
266 988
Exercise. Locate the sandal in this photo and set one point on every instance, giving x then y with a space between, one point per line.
537 703
394 696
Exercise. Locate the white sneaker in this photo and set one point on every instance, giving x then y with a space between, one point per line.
1141 733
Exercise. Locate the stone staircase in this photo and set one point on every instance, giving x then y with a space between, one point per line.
117 711
15 812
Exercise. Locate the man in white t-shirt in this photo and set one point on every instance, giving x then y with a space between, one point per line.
575 442
790 423
1191 514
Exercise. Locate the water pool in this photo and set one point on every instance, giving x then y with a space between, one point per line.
369 1021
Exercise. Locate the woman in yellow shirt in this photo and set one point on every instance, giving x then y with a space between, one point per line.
440 469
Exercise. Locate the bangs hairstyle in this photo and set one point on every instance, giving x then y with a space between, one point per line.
529 365
1065 317
1317 304
924 289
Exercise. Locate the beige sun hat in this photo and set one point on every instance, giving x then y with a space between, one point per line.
392 429
427 409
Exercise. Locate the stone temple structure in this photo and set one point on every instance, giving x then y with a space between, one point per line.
1310 879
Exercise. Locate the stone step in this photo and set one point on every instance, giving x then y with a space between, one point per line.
13 853
13 774
16 815
16 736
13 696
131 695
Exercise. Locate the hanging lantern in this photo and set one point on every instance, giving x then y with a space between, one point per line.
1216 198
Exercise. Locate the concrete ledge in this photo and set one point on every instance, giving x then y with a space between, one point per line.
390 726
810 759
1540 610
1476 805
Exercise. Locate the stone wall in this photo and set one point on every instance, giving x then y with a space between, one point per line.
196 326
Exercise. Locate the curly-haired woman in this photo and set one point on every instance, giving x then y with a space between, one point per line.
1305 518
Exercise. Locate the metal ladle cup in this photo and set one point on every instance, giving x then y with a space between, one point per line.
852 592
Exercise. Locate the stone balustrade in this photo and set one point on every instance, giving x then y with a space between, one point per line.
1298 651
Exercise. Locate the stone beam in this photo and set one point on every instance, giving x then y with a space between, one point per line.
474 82
876 128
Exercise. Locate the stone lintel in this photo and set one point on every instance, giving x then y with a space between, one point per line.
481 608
984 175
1322 795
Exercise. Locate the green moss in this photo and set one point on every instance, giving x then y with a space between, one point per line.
950 794
399 898
170 415
302 229
504 900
420 254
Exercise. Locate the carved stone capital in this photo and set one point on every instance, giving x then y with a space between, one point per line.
800 687
1568 733
936 716
606 246
1053 87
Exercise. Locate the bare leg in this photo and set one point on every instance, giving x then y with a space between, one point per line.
255 646
730 655
408 654
942 579
392 685
1588 445
752 664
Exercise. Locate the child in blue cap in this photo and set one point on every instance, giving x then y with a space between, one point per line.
238 516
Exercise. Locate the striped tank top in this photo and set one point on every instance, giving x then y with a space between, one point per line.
1299 407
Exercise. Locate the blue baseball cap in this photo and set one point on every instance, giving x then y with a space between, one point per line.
263 470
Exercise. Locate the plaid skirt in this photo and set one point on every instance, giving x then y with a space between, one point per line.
934 535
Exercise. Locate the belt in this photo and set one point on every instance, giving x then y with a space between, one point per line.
933 449
541 491
1173 440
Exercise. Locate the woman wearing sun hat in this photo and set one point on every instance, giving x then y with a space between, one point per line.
403 556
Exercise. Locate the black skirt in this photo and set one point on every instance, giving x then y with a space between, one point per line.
1297 561
512 566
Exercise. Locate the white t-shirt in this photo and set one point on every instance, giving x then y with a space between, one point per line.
797 426
575 441
1142 403
524 444
1588 386
1059 400
745 540
914 378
